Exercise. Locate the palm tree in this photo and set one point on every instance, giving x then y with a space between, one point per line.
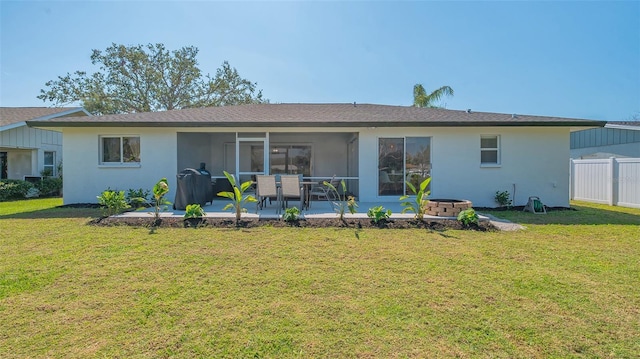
421 99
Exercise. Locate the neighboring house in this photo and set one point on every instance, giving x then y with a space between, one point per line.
376 148
25 151
616 139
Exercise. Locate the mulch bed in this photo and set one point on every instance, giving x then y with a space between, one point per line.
177 222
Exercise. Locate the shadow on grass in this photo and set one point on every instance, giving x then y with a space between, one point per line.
49 207
56 212
579 213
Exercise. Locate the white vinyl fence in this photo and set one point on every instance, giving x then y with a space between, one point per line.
613 181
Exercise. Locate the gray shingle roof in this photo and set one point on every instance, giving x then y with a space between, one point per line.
11 115
313 115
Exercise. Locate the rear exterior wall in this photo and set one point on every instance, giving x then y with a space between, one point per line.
533 162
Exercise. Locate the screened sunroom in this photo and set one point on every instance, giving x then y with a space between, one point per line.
315 156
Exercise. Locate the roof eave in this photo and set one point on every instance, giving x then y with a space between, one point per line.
12 126
67 112
46 124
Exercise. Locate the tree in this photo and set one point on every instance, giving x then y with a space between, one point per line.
147 78
421 99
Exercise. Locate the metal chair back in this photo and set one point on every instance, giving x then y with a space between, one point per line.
290 188
336 183
266 189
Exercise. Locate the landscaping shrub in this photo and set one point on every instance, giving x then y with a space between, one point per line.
137 198
378 214
291 214
14 189
49 186
194 211
194 215
113 202
502 198
468 217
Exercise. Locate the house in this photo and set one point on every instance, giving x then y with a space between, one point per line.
375 148
25 151
616 139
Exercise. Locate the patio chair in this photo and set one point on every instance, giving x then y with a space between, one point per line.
266 189
290 188
322 192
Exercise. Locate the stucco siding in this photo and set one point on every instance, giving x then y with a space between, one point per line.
535 159
85 178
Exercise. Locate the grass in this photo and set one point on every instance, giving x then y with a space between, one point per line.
568 286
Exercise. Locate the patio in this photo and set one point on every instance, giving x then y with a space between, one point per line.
318 209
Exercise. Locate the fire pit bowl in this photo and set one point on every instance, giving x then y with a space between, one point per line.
447 207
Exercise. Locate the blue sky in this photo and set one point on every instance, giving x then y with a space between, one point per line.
577 59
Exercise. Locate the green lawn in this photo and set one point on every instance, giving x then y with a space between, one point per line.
567 286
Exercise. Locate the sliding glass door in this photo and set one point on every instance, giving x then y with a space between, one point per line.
250 155
417 160
290 159
390 166
401 160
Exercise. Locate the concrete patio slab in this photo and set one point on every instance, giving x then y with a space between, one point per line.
318 210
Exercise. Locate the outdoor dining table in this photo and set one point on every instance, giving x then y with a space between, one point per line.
306 191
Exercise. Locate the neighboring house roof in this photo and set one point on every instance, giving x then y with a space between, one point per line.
613 133
624 125
11 117
306 115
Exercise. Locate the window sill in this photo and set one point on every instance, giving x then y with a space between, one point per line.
119 165
490 165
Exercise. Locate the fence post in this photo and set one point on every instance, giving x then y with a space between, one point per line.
572 169
611 170
615 181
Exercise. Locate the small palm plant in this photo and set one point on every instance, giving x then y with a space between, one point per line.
342 202
418 204
237 197
159 202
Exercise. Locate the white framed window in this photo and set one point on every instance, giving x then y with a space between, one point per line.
49 167
119 150
489 150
